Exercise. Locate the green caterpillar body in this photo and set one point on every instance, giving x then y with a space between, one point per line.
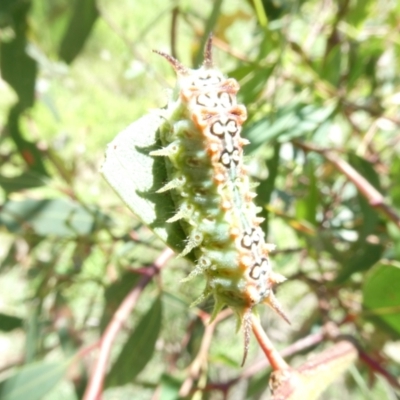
212 191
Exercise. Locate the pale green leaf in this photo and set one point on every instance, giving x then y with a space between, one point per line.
136 176
32 381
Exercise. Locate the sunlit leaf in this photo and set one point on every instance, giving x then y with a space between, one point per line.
381 295
136 177
26 180
32 381
169 387
291 121
60 217
79 28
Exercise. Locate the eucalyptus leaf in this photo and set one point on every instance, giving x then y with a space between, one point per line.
135 176
170 387
59 217
79 28
33 381
138 349
10 322
381 295
26 180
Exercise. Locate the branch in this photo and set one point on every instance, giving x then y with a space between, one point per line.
310 379
197 364
274 358
374 197
258 366
95 385
379 369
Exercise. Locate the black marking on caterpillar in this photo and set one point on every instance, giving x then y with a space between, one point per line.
203 150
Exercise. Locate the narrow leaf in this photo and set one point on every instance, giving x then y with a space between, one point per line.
381 295
26 180
115 293
33 381
170 387
18 69
139 348
363 258
60 217
9 322
83 18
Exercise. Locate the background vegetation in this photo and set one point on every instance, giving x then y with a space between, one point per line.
321 83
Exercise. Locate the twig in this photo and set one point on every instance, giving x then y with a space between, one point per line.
256 367
201 358
297 347
95 385
374 197
275 359
174 27
312 378
377 368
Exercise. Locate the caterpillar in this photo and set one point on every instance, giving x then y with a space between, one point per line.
211 189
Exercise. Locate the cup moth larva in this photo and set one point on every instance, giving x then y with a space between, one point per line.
211 189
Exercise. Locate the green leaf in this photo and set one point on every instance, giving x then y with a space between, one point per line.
28 150
9 322
138 349
381 295
34 333
60 217
136 177
170 387
330 68
17 68
257 384
10 258
254 83
363 258
394 175
26 180
80 25
115 293
267 186
291 121
358 12
208 28
366 169
33 381
306 206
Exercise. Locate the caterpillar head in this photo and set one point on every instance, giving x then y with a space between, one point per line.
205 76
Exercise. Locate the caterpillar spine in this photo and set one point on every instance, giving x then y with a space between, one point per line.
211 188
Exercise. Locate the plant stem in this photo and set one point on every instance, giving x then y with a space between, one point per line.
274 358
374 197
95 385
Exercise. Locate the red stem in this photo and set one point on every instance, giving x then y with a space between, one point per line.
275 359
95 385
373 196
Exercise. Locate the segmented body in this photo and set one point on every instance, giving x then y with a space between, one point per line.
212 190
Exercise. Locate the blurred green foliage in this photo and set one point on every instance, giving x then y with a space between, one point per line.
321 84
